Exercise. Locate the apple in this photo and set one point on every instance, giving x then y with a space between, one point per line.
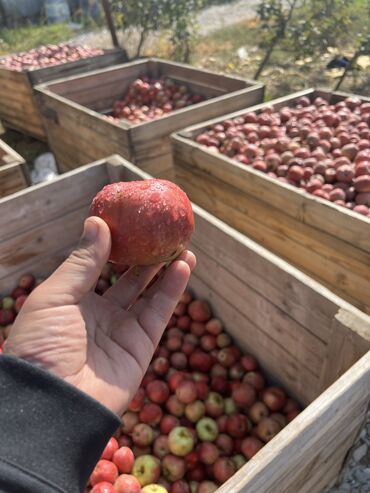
239 460
237 425
104 470
126 483
146 469
128 422
167 423
207 487
154 488
138 400
267 428
142 435
207 429
223 469
161 446
180 441
105 487
195 411
274 398
244 395
158 391
214 326
225 444
230 406
250 446
173 467
180 486
258 411
110 449
214 405
124 459
208 453
175 407
161 365
151 414
186 391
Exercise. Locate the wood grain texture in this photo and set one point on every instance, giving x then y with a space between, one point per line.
326 241
72 105
305 337
14 174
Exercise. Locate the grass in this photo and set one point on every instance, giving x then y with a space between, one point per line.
26 38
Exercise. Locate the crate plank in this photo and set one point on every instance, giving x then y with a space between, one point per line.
14 174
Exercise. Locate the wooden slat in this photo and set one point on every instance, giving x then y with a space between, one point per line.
206 109
205 77
349 342
305 300
18 253
12 179
11 155
51 200
338 265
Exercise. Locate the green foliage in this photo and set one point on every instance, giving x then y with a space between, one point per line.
26 38
322 24
147 16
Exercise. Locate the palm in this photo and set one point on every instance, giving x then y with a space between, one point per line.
100 344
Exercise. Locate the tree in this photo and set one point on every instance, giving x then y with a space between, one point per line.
274 15
147 16
320 25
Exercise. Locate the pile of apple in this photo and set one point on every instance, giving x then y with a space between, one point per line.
11 305
203 409
316 146
147 99
46 56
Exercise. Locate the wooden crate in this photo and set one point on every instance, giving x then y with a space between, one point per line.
323 239
13 171
311 341
79 133
18 107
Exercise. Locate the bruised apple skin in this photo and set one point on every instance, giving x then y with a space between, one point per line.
151 221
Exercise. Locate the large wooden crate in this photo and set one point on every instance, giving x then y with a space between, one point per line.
79 132
14 174
329 242
308 339
18 107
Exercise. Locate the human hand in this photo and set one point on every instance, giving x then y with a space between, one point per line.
101 344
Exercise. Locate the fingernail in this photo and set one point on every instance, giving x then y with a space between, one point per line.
90 230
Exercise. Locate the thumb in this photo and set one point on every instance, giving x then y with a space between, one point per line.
80 272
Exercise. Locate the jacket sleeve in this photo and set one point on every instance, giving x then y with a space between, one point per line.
51 434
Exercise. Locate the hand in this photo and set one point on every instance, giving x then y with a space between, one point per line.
101 344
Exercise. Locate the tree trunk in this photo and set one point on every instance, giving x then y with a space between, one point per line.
280 35
143 36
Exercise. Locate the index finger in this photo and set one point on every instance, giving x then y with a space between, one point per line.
154 309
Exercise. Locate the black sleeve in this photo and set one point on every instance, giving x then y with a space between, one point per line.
51 434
